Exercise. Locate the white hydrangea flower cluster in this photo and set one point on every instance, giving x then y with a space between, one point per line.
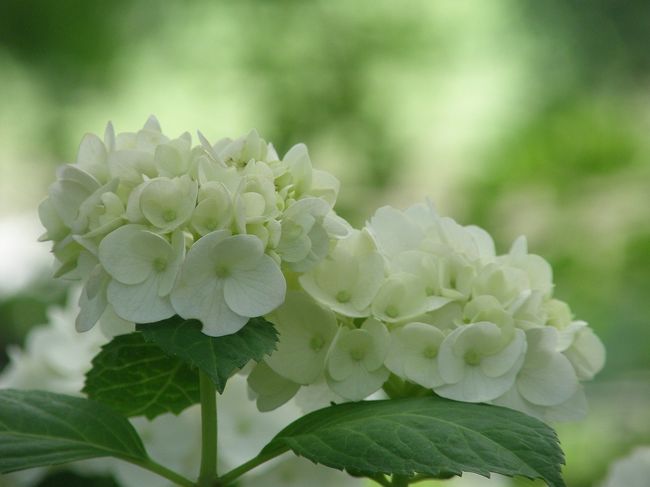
419 296
156 226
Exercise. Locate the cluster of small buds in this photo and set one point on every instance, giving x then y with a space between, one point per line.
419 296
155 226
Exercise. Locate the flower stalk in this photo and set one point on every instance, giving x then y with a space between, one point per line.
209 429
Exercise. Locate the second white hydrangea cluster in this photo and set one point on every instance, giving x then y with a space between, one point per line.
156 226
419 296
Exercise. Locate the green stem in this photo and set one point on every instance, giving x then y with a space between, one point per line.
163 472
209 427
235 473
381 480
400 481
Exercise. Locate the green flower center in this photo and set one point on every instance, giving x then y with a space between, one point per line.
392 311
169 215
222 272
430 352
357 354
472 358
343 296
159 264
316 343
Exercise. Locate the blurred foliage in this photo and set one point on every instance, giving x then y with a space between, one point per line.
524 117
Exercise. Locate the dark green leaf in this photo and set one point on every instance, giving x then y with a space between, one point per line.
137 378
218 357
40 428
428 435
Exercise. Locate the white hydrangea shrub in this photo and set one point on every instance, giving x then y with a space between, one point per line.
422 297
155 226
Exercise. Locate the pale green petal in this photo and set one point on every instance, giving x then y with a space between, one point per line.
319 246
168 203
423 371
376 353
306 331
400 298
255 291
547 378
92 304
173 264
170 161
347 352
130 166
297 159
335 226
202 298
239 252
587 354
573 409
483 337
394 231
324 185
272 390
369 280
503 361
476 387
360 383
451 365
129 253
66 197
92 156
211 214
483 242
56 230
140 303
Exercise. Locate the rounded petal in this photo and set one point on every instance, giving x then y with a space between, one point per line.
256 291
239 252
272 389
503 361
476 386
139 303
202 299
306 331
360 383
128 253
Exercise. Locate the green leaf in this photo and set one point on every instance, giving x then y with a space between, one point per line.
218 357
40 428
430 436
137 378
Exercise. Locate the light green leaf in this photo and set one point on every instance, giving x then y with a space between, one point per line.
137 378
430 436
218 357
40 428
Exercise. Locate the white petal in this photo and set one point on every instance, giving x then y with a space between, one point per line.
239 252
476 387
128 253
255 292
92 304
139 303
394 231
503 361
360 383
306 331
272 390
587 354
547 379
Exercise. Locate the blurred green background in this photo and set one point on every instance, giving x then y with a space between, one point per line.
523 117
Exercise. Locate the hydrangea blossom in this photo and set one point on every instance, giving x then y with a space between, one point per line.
419 296
155 226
